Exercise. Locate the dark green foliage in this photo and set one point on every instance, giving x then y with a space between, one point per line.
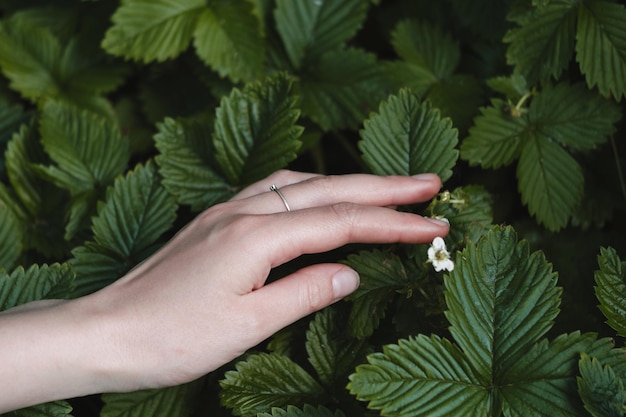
120 121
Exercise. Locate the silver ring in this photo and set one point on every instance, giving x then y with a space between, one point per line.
273 187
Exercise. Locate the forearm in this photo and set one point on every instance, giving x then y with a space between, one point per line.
50 351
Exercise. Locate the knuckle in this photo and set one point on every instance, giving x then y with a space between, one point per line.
281 176
315 296
346 212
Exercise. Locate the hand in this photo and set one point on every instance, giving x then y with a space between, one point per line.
202 300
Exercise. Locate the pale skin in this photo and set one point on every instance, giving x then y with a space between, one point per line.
202 300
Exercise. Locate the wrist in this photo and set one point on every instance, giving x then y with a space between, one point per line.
54 350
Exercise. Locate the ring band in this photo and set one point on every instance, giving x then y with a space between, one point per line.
273 187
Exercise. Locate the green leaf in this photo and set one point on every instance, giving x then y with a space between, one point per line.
332 351
496 138
382 275
550 182
52 409
420 376
611 289
310 29
137 211
40 66
486 18
407 137
600 389
339 90
229 26
406 75
186 162
88 150
41 208
11 118
574 116
543 46
601 46
457 97
512 87
306 411
84 69
35 283
164 402
426 46
10 237
469 211
264 381
543 382
96 267
28 55
256 132
501 300
147 30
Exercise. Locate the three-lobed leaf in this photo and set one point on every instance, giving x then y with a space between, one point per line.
501 301
408 137
560 118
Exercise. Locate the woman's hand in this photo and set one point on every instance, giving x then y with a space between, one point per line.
202 300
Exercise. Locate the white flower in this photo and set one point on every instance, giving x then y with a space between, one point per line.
439 255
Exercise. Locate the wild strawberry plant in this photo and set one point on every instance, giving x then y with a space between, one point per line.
117 127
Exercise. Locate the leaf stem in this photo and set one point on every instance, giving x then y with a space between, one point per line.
618 166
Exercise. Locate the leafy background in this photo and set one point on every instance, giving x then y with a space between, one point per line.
119 121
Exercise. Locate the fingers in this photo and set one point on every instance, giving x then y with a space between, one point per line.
286 236
280 178
310 289
318 190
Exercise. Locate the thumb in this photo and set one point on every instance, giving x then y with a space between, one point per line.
301 293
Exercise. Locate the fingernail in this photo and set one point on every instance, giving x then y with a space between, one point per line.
345 282
437 221
425 177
